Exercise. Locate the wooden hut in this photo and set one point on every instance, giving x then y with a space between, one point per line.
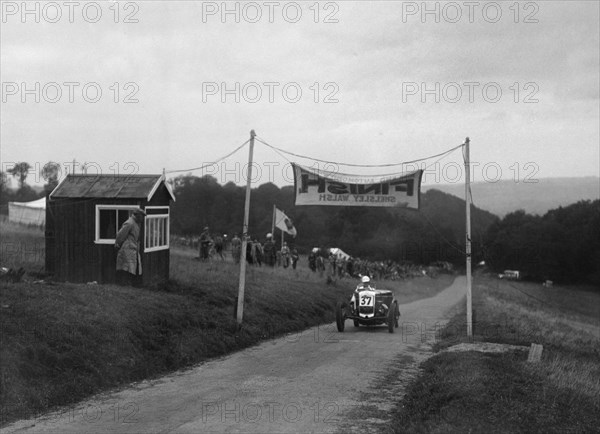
83 215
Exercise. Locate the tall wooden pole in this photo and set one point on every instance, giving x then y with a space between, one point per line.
240 304
468 239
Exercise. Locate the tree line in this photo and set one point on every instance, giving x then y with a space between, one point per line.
24 192
563 245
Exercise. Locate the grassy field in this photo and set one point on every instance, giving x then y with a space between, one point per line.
21 246
60 343
483 392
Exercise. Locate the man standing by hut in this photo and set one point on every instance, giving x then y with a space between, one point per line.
129 261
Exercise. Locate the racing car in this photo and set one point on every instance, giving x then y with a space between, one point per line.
368 306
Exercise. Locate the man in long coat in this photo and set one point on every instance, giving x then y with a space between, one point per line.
236 248
129 261
205 242
269 250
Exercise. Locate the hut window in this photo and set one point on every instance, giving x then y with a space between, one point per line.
109 219
156 232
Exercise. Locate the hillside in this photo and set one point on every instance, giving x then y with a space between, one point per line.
503 197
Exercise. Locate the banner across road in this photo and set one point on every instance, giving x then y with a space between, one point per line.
314 188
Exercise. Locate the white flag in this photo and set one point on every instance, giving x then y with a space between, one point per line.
284 223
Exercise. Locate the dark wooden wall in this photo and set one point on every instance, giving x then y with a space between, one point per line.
72 255
155 267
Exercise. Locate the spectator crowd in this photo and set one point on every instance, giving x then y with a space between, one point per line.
321 260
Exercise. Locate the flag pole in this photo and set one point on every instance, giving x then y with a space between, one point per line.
468 238
273 223
240 301
282 236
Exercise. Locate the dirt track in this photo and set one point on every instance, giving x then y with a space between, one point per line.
309 382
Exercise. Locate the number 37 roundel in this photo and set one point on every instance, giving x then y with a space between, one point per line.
366 298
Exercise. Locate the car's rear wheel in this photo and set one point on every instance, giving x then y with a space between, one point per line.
391 321
340 316
356 323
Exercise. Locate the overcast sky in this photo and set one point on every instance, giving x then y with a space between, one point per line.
369 74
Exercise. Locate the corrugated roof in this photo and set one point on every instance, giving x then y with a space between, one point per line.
108 186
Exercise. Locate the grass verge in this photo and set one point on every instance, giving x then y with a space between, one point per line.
63 342
482 392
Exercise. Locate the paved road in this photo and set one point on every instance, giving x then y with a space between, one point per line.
313 381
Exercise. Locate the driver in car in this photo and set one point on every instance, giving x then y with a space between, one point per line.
365 283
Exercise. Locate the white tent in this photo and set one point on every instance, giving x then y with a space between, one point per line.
28 213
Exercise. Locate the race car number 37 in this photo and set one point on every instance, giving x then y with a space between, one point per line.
366 300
